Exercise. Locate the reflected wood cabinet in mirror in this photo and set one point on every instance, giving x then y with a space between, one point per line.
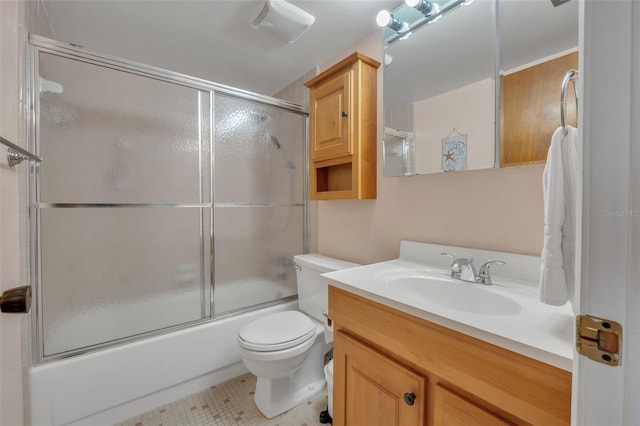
391 368
343 130
530 110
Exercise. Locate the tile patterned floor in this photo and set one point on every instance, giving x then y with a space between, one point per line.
229 404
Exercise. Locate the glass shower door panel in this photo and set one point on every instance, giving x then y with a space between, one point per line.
259 202
123 202
254 249
112 273
259 153
110 136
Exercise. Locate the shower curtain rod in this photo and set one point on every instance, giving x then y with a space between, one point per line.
17 155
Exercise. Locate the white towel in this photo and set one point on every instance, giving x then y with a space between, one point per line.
557 273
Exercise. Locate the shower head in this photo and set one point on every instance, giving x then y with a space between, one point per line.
258 118
275 141
288 164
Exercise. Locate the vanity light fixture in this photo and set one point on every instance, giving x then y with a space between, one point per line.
425 7
386 19
434 20
411 15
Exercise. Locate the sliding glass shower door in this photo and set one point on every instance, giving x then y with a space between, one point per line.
259 202
123 201
162 201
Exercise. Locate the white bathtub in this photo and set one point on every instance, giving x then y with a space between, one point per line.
112 385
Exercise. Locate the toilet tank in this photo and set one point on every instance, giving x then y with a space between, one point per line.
312 287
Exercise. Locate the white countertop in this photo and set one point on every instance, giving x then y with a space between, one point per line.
533 329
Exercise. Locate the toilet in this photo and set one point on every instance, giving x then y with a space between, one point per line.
286 350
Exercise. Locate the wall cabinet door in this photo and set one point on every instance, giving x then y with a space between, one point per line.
331 125
375 390
343 130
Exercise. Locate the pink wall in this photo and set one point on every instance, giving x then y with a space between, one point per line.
495 209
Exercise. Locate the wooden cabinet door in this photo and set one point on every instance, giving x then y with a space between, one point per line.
331 118
373 388
453 410
530 110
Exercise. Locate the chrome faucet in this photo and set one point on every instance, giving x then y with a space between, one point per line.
484 276
463 269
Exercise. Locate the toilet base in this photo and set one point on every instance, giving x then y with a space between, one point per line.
276 395
271 399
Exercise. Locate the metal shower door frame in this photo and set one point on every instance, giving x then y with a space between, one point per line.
35 46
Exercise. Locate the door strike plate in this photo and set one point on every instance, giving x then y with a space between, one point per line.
599 339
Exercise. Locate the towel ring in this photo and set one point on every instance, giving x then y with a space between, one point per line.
570 76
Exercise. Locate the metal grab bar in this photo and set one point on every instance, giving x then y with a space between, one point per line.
571 75
17 155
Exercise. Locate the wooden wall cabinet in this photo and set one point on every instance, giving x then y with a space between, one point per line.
530 110
391 368
343 130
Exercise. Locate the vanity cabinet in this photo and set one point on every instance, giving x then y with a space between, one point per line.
454 410
425 374
381 390
343 130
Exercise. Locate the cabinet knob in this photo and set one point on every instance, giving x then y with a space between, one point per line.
410 398
344 114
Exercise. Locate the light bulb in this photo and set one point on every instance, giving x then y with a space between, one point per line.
386 19
383 18
424 6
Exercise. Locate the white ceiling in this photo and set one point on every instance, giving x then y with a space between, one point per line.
212 39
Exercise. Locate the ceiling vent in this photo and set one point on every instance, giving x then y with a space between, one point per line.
283 19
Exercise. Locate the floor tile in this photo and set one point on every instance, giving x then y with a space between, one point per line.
229 404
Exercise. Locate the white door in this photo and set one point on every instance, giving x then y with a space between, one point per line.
609 271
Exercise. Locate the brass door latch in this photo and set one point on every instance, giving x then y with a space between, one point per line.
599 339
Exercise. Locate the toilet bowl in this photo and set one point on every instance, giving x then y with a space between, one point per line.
286 350
274 352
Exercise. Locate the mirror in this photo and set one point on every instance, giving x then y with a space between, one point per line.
534 59
440 93
439 90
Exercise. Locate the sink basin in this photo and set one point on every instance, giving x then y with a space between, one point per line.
453 294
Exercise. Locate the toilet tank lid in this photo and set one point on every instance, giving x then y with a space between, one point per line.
322 263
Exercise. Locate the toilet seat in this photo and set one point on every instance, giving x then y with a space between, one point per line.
277 332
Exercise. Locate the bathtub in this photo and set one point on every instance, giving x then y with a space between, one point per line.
112 385
105 322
